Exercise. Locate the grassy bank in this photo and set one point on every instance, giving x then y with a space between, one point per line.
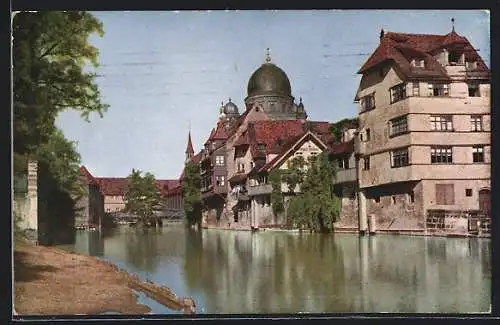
50 281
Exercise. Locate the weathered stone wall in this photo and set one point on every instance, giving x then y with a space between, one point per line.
394 208
349 210
457 222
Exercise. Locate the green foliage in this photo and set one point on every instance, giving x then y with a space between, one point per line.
143 196
50 52
276 195
336 128
191 190
295 173
63 162
316 206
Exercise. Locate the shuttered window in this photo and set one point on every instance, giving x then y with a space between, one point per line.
445 194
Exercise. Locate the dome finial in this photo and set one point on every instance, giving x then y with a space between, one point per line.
452 24
268 56
229 99
300 100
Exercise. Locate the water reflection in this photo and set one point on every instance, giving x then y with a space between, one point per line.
243 272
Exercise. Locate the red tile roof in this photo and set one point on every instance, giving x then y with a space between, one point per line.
88 176
117 186
402 48
113 186
286 147
220 132
343 147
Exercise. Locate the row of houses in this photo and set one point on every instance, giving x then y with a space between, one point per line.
106 195
416 158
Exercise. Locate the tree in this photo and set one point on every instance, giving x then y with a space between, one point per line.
50 52
295 173
191 190
276 196
143 196
337 128
316 206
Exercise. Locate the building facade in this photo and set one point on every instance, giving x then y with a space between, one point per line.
91 205
243 148
424 132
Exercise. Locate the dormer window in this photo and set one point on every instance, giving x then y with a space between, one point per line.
453 57
418 63
262 147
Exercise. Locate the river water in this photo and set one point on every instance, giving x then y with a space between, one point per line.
239 272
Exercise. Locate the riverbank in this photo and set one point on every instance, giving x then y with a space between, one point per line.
352 230
51 281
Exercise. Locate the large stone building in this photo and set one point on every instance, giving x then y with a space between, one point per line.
424 132
243 148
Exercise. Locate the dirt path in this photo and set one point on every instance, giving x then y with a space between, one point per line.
50 281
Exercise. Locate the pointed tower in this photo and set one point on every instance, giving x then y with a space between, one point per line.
189 148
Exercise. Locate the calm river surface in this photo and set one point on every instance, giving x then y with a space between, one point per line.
274 272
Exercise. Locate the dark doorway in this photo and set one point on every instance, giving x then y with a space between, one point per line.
485 201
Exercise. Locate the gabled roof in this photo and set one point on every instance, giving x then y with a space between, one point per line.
287 148
275 134
90 180
401 48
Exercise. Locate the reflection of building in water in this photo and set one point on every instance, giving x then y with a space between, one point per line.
428 278
269 273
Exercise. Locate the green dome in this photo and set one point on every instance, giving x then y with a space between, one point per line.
269 79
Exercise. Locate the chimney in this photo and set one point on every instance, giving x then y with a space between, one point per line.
381 34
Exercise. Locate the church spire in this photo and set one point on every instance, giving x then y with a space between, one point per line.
452 25
189 148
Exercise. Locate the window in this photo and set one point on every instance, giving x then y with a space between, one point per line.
445 194
360 136
262 146
398 93
219 180
419 63
241 168
399 158
476 123
468 192
376 199
474 90
441 155
343 163
367 134
251 164
398 125
416 89
452 57
478 154
393 199
219 160
366 163
368 102
438 90
441 123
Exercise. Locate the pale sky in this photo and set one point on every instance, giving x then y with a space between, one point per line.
162 72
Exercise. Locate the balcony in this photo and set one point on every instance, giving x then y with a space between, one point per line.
345 175
260 189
